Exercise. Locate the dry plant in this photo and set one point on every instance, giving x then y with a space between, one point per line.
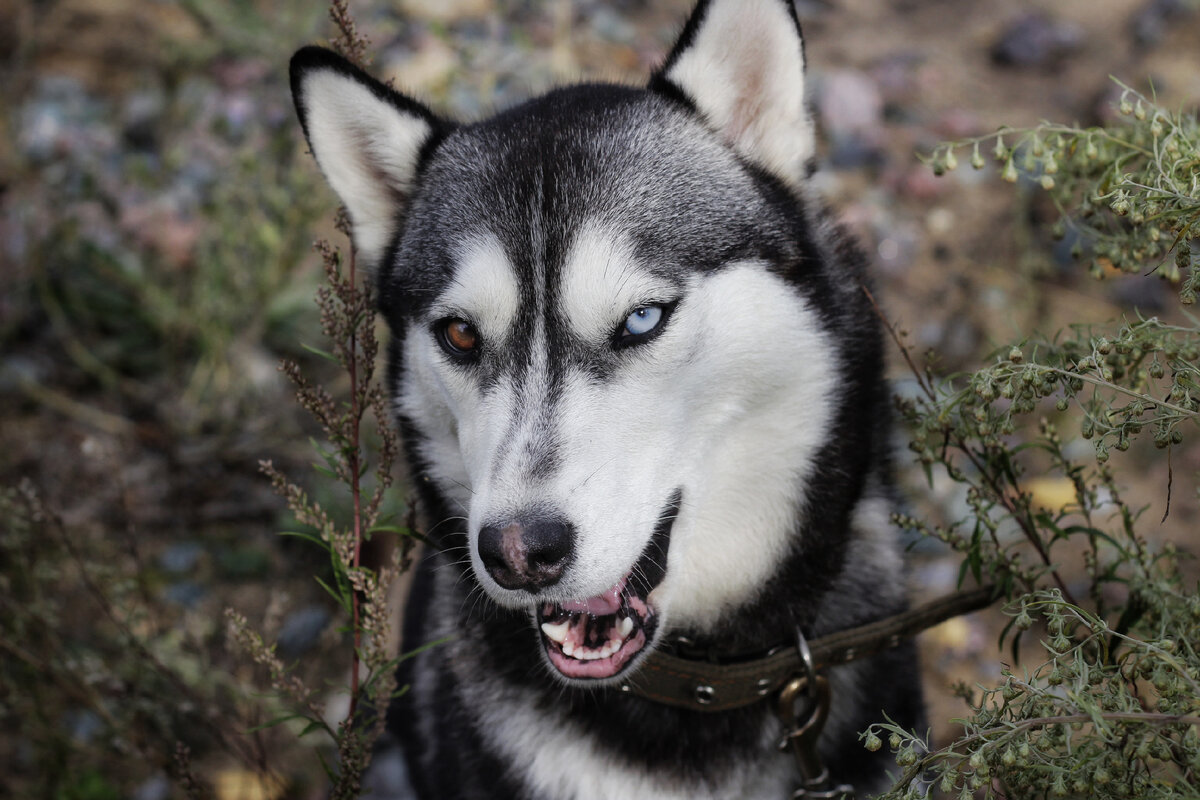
347 311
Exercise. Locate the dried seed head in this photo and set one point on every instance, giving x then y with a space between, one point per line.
1009 173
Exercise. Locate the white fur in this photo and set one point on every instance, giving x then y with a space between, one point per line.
559 759
745 72
757 384
730 403
368 150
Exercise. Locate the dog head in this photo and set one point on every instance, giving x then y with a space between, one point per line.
610 352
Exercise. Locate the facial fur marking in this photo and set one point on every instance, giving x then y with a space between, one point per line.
602 281
485 290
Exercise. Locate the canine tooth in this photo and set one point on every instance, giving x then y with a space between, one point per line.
569 649
625 628
556 632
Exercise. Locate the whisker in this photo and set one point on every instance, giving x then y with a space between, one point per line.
582 483
443 522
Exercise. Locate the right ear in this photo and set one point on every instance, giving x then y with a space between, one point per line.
368 141
740 63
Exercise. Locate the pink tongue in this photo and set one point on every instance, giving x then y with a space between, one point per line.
600 605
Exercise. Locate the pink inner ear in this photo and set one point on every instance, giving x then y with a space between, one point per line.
750 79
747 110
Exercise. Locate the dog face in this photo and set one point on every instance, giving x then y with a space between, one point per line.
610 352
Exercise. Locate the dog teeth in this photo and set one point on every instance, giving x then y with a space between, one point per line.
560 633
556 632
588 654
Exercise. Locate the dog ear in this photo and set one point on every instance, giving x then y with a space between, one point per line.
368 141
740 63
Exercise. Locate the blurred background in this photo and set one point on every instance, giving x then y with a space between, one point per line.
157 209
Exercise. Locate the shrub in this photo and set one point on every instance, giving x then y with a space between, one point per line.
1113 708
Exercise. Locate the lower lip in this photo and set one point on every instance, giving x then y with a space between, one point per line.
600 668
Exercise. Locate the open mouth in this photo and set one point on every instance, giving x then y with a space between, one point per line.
597 637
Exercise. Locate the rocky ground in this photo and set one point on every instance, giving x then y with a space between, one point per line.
156 210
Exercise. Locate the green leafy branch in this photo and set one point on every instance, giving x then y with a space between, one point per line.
1114 709
1132 191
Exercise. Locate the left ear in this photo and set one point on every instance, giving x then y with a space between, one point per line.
367 139
741 64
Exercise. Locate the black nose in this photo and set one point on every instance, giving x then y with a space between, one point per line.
527 553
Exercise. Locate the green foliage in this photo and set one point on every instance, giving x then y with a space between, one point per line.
155 278
127 318
86 659
1113 708
1131 190
163 268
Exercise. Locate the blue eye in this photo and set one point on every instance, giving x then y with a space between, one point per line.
643 320
643 324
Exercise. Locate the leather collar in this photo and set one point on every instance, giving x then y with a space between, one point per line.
710 685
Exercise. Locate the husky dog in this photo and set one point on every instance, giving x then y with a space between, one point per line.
640 387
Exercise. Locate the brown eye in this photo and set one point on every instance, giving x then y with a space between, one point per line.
458 337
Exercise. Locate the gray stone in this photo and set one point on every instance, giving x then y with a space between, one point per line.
388 774
849 103
156 788
1151 22
301 630
1036 41
181 557
185 593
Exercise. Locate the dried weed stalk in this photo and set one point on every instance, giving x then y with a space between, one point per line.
348 322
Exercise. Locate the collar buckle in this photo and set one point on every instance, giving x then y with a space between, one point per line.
803 707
